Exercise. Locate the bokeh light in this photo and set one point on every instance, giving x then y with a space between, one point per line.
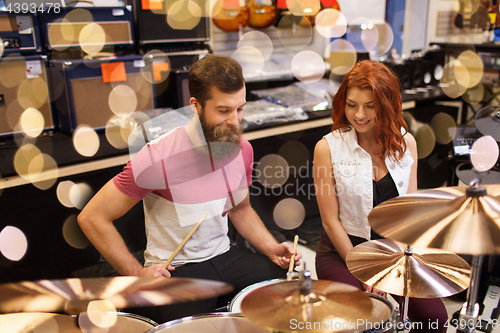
308 66
92 38
62 193
385 37
257 40
184 15
474 95
49 174
32 122
468 69
426 141
156 67
272 171
122 100
118 129
444 127
363 31
303 7
484 153
293 35
449 83
297 156
102 313
73 235
331 23
23 161
13 69
341 56
13 243
32 93
86 140
80 194
250 59
289 213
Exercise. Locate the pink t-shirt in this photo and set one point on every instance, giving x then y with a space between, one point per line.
178 184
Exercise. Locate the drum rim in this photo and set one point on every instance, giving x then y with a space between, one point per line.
193 317
136 316
244 290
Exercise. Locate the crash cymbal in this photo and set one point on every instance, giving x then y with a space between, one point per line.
400 270
487 121
323 307
73 295
460 219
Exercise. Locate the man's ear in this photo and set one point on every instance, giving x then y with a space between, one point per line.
193 102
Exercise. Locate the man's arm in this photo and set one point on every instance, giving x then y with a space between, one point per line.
96 221
251 227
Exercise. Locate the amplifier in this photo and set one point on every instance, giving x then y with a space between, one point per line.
20 33
91 92
159 22
88 27
23 85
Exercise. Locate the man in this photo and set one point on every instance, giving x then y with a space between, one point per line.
204 166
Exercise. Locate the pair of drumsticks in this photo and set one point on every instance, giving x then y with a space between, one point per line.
191 232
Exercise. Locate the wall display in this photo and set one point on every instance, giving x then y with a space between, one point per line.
20 33
231 15
91 92
159 22
24 91
90 28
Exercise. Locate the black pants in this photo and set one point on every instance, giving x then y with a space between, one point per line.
238 267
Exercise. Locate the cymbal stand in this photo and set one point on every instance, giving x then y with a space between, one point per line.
470 310
404 324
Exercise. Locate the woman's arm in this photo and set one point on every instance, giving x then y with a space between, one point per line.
327 199
412 146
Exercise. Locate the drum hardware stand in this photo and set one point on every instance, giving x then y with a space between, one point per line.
470 311
403 323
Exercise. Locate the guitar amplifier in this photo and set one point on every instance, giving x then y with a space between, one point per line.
160 22
91 92
101 26
20 33
23 85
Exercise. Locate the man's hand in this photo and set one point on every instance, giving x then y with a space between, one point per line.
282 254
155 271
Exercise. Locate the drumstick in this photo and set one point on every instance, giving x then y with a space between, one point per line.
191 232
292 258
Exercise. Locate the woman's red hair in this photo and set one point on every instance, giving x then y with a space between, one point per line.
386 101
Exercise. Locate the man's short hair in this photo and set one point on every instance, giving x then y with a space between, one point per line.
213 70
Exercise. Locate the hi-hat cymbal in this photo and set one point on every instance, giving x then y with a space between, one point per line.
73 295
487 121
459 219
326 307
423 273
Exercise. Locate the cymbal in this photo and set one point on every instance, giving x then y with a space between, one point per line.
422 273
329 306
487 121
460 219
73 295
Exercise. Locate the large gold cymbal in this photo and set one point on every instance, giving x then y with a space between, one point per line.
423 273
73 295
459 219
326 307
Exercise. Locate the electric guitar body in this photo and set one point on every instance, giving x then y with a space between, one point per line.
262 13
230 15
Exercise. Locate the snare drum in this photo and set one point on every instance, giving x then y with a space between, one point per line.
220 322
235 304
49 322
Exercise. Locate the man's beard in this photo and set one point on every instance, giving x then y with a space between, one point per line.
222 140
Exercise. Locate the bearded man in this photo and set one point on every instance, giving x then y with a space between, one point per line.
204 166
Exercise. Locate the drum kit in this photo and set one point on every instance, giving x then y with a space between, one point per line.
418 258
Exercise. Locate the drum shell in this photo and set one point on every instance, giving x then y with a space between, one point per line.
235 304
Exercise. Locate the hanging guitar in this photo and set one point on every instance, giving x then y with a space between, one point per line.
305 11
262 13
472 14
230 15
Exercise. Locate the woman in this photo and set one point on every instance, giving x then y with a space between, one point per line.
369 157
